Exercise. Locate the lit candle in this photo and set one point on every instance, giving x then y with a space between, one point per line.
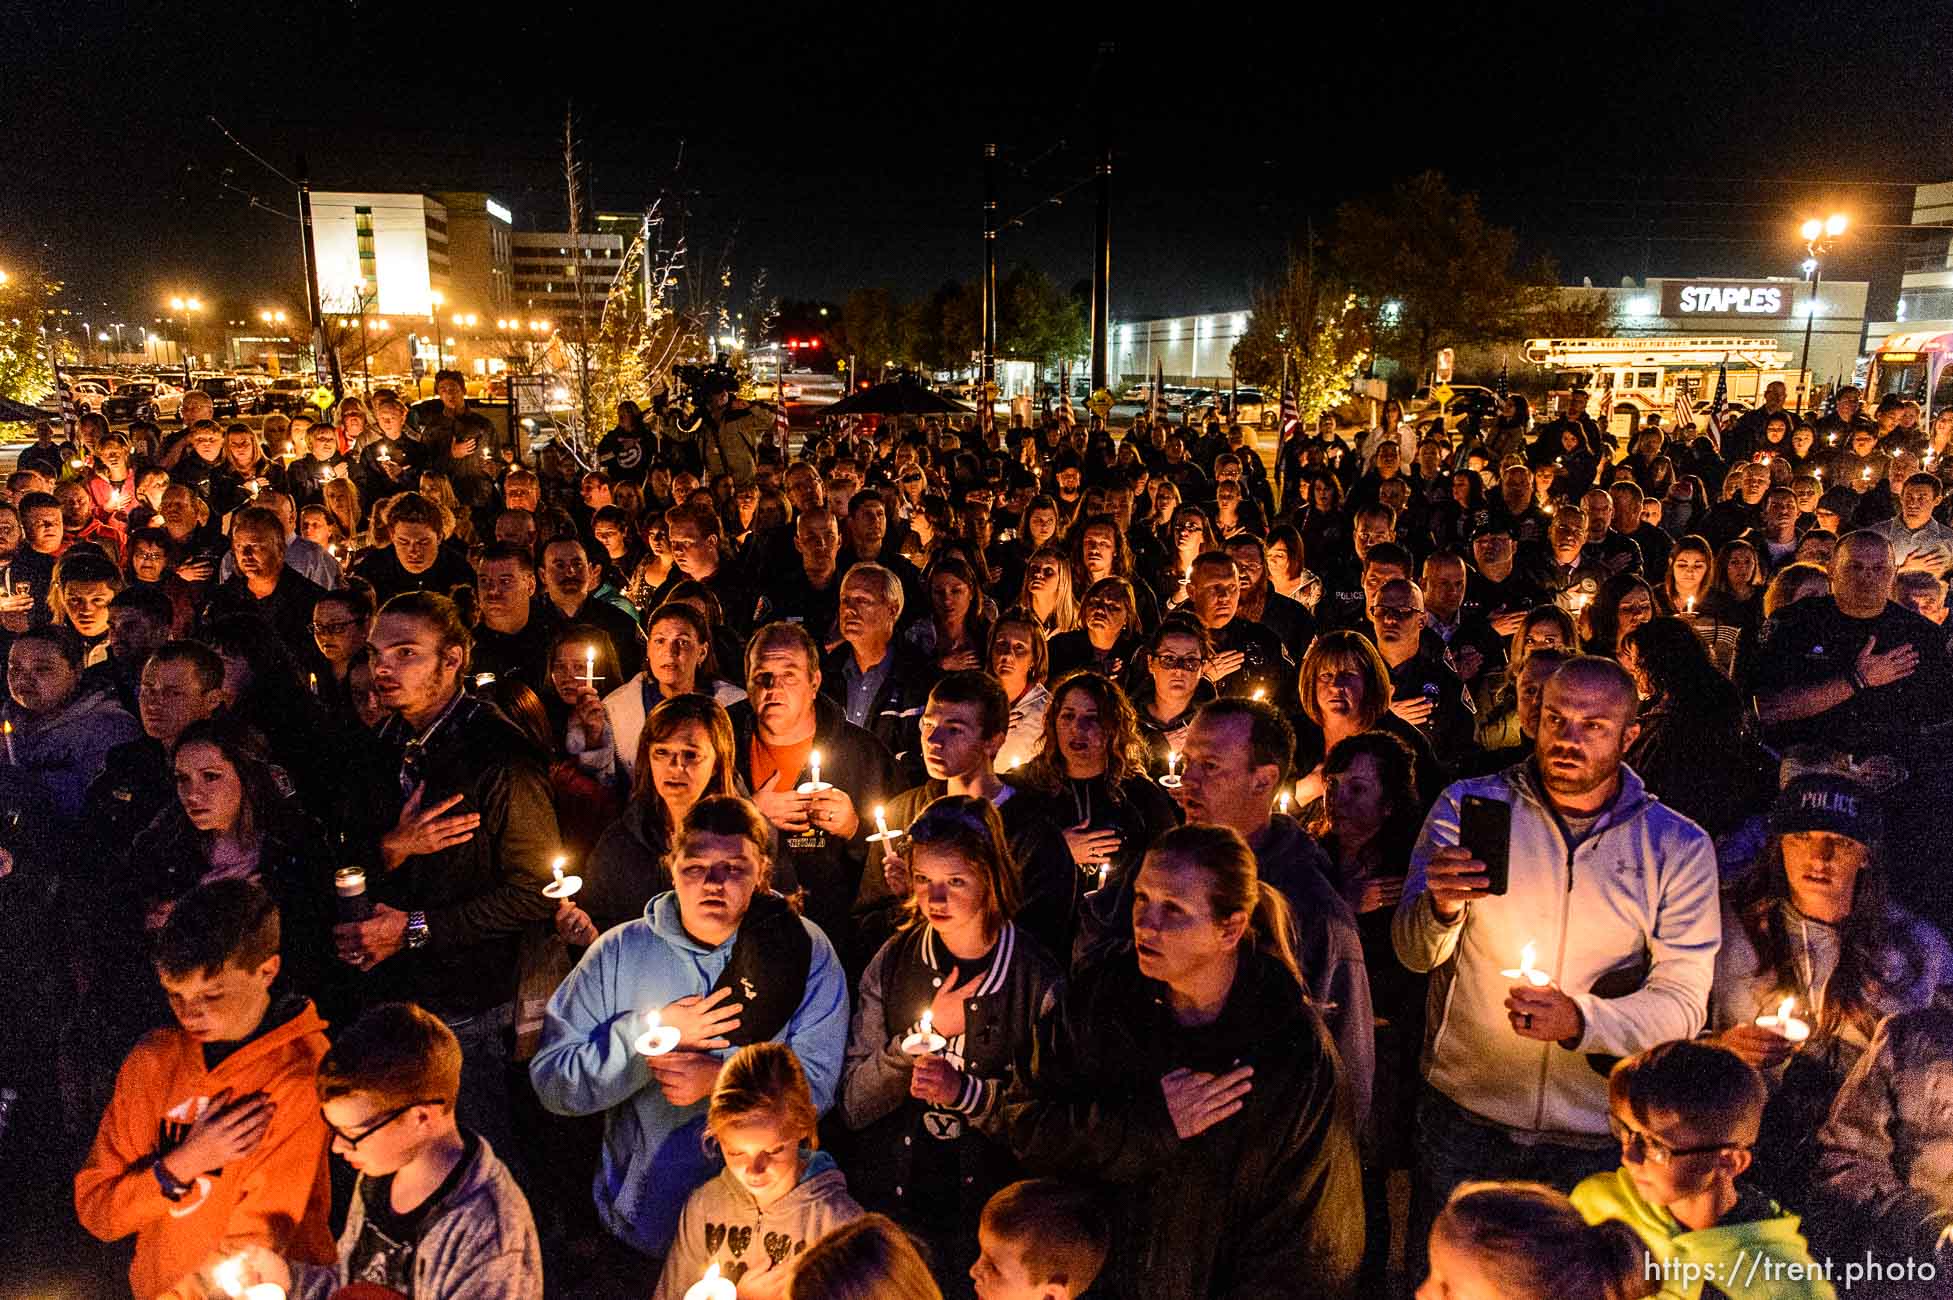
1105 869
7 729
1281 804
590 666
813 784
1172 778
1691 603
561 886
229 1276
1261 693
712 1286
384 458
925 1041
882 833
658 1037
1527 956
315 682
1784 1024
1867 475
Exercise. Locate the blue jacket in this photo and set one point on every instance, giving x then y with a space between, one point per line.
653 1154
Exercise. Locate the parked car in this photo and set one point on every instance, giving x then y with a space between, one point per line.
143 399
228 396
284 395
89 394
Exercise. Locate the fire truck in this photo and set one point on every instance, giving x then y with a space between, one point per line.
1918 366
1645 375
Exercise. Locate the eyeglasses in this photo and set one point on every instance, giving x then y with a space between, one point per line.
1178 663
1640 1147
376 1125
338 627
1395 613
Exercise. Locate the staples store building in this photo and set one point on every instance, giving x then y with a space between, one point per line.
1775 309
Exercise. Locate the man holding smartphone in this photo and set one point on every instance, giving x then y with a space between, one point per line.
1614 894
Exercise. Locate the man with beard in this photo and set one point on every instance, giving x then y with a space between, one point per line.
1612 896
267 586
571 582
1290 620
1427 693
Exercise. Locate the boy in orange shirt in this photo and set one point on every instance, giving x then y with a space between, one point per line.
213 1138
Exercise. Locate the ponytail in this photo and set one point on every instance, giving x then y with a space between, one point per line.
1272 927
1236 887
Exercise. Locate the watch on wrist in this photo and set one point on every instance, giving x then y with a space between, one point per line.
416 929
170 1187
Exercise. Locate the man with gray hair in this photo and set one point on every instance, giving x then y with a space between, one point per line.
881 683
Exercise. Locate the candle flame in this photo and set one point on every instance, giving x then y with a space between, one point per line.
230 1275
711 1272
652 1020
1527 956
928 1022
1783 1008
556 869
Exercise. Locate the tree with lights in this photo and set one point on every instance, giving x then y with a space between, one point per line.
26 371
1307 331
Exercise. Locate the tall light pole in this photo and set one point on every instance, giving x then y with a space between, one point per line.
1817 242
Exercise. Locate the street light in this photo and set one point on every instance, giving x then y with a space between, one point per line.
1817 242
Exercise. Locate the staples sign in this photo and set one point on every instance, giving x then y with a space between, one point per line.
1724 298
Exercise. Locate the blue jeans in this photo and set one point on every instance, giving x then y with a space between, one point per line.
483 1106
1454 1146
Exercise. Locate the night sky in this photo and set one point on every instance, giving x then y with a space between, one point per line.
839 146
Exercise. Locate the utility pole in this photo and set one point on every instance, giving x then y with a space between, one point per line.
988 375
1102 251
311 278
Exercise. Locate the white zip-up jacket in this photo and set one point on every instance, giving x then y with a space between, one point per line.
1635 904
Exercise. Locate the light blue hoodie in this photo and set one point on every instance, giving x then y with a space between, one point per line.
653 1151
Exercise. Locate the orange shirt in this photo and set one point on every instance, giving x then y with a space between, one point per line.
788 760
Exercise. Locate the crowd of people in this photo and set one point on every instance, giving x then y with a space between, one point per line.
936 860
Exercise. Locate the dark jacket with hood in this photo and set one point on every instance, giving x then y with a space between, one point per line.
1267 1202
479 895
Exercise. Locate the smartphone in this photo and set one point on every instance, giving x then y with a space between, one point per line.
1485 827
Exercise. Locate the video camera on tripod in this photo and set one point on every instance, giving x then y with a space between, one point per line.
697 384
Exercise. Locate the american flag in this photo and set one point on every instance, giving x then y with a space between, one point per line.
780 423
1684 414
67 394
1064 393
1722 389
1505 381
1291 414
